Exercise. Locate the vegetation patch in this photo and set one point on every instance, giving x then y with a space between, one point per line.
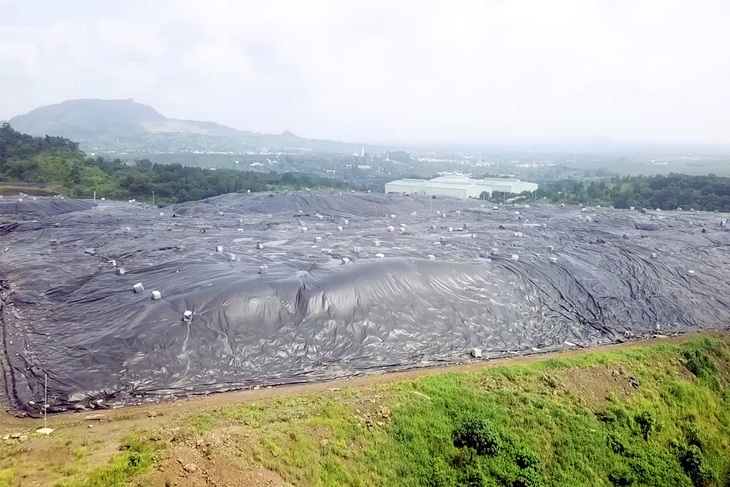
201 422
706 192
137 456
6 477
58 161
507 426
525 425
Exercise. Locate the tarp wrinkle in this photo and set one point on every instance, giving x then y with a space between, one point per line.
351 301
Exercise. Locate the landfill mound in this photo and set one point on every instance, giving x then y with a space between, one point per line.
121 303
28 208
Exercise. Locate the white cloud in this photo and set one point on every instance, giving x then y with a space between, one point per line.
467 70
62 43
133 36
20 53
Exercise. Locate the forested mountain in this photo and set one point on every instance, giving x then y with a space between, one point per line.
58 162
118 125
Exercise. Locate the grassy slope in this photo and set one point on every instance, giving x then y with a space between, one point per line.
656 415
534 419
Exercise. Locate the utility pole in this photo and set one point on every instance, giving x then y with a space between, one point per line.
153 198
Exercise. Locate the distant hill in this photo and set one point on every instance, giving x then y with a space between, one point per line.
118 125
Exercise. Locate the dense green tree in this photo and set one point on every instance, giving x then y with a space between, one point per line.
709 192
59 162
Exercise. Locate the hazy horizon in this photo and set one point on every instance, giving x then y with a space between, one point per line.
401 72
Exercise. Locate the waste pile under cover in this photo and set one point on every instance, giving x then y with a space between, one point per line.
244 290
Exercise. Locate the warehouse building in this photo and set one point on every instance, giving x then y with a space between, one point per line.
459 186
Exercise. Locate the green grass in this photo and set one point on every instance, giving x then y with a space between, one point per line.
526 425
201 422
673 430
309 440
6 477
643 440
137 456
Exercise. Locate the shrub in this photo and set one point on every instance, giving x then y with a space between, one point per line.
615 414
475 478
622 477
657 467
647 423
529 477
616 443
694 463
135 459
702 366
693 433
440 475
526 458
477 434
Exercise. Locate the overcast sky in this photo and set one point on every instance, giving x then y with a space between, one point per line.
390 70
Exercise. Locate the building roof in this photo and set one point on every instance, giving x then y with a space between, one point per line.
459 182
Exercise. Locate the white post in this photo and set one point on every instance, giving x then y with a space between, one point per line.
153 198
45 404
94 196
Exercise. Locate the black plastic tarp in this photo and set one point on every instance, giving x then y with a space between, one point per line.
302 287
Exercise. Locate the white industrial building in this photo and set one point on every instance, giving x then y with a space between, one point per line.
459 186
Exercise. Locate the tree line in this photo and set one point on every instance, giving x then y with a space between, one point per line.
59 162
669 192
